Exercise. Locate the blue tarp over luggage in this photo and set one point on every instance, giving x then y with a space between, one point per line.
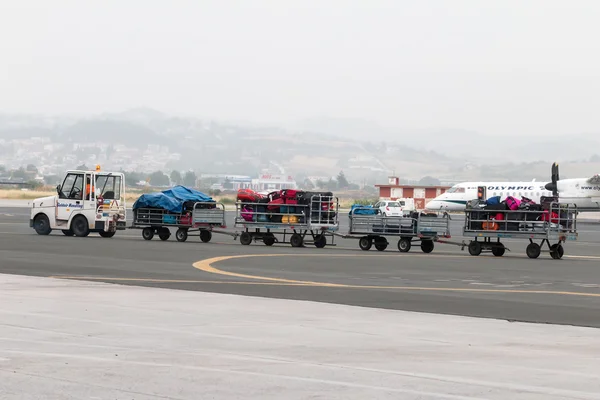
493 200
357 209
171 200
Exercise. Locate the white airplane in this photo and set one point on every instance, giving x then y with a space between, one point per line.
583 192
456 198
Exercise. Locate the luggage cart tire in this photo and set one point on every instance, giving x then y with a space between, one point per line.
205 236
404 245
381 244
269 240
147 233
498 250
181 235
320 241
365 243
557 251
474 248
164 234
533 250
245 238
296 240
427 246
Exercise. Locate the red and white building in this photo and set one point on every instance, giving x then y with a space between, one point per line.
273 182
420 193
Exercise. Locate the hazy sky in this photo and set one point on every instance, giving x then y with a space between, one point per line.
514 67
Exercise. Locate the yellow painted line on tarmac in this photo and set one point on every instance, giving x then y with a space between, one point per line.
206 266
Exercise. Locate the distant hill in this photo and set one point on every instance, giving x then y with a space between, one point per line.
320 146
471 146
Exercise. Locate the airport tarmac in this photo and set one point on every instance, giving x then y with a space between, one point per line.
65 339
447 281
126 318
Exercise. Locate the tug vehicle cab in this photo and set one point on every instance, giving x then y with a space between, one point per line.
86 201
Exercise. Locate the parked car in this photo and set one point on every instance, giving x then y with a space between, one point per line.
395 208
389 208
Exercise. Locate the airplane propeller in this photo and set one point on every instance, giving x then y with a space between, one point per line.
553 186
594 180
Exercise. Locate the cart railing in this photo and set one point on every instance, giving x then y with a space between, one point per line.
324 212
201 214
559 220
434 225
321 212
377 224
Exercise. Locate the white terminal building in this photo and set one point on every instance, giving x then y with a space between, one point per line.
265 182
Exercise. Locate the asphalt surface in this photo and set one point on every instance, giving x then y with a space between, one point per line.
447 281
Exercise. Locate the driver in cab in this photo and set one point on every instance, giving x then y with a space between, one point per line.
89 188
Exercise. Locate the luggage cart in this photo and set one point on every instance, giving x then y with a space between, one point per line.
296 224
372 229
199 221
551 227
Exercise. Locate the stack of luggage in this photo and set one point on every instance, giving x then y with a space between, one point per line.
287 206
174 206
251 211
510 214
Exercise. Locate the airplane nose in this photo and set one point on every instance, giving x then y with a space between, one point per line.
433 205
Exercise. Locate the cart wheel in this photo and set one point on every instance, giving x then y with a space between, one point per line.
474 248
41 224
320 241
365 243
80 226
427 246
404 245
181 235
148 233
107 235
381 244
557 251
533 250
296 240
269 240
164 234
245 238
498 250
205 236
560 251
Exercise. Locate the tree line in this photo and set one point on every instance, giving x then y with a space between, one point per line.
159 178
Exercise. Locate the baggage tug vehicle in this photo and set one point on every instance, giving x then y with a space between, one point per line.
86 202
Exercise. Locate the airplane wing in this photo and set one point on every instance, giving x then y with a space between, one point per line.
594 180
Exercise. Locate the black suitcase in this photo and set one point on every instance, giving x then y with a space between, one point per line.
305 197
496 207
511 226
